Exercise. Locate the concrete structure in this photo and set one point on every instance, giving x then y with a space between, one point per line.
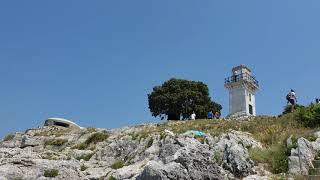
62 123
242 87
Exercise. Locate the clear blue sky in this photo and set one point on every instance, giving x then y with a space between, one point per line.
95 62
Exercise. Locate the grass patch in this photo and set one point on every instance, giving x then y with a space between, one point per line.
8 137
55 142
93 139
97 137
51 173
83 167
275 156
118 164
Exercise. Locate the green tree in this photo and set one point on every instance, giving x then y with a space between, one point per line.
178 97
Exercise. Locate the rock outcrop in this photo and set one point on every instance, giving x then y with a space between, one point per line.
127 153
301 157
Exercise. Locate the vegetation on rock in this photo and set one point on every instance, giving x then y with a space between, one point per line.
51 173
93 139
97 137
55 142
118 164
8 137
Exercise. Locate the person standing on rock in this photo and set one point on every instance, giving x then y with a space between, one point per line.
292 99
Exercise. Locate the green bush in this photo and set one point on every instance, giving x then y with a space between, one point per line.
97 137
287 109
8 137
55 142
51 173
118 164
308 116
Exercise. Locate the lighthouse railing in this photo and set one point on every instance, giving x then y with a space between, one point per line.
239 77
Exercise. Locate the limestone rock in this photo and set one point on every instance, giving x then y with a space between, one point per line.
129 153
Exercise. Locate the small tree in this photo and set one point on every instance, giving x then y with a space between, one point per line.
178 97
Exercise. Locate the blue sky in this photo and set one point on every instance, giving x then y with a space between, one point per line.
95 62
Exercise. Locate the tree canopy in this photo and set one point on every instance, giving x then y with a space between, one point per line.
177 98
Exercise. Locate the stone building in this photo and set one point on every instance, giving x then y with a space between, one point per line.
242 87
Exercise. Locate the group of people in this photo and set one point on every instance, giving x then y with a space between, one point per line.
216 115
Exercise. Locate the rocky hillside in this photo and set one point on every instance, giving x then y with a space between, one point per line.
152 151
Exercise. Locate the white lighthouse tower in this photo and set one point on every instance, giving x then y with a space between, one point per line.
242 87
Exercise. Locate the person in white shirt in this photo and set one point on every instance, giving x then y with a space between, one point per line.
193 116
293 99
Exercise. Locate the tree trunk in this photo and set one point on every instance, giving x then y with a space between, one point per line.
173 116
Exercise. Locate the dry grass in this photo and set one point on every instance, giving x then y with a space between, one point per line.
267 130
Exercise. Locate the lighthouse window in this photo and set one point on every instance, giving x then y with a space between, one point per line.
250 109
250 97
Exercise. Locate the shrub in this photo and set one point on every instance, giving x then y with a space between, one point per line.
51 173
287 109
309 116
118 164
8 137
112 178
55 142
97 137
83 167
